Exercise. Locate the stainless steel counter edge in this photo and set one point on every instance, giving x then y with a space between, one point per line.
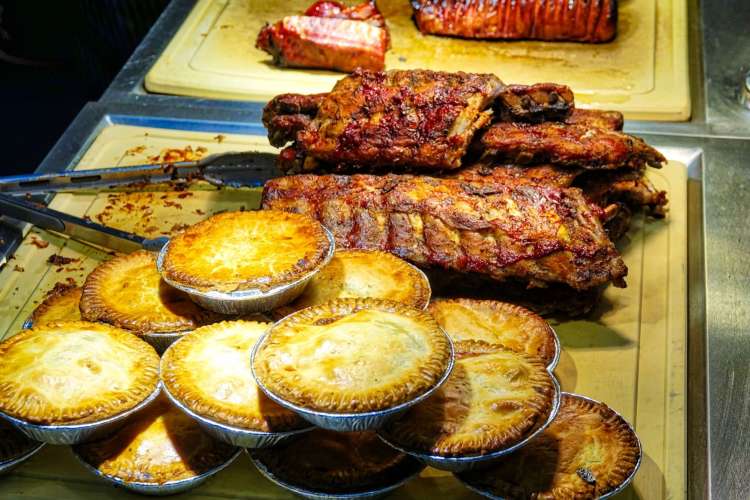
718 280
724 45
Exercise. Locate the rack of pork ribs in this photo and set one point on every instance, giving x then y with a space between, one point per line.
488 187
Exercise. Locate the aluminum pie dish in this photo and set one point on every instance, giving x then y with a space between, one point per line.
319 495
609 494
558 351
8 465
77 433
345 422
156 489
467 462
237 436
247 301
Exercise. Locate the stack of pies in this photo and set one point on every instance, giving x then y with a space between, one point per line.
158 446
128 292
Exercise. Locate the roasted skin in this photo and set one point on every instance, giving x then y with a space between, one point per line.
328 36
566 145
572 20
607 120
538 235
423 119
535 103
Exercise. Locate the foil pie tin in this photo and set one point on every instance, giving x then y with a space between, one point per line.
243 438
345 422
77 433
609 494
558 350
319 495
8 465
155 489
463 463
247 301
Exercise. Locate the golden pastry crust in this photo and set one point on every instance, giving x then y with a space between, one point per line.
353 356
586 452
493 398
159 444
495 322
208 371
60 304
246 250
13 443
337 462
74 372
127 291
360 274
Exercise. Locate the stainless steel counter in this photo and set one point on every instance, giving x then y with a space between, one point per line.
719 243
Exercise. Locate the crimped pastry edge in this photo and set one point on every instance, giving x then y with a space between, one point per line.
176 274
486 443
95 308
549 348
91 454
50 302
279 421
490 482
146 380
420 282
433 371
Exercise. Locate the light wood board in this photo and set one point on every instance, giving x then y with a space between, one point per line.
642 73
630 353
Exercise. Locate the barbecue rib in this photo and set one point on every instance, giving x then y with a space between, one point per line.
567 145
573 20
328 36
535 234
607 120
424 119
535 103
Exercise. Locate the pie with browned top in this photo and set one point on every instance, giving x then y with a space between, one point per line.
496 322
157 445
61 304
246 250
493 399
587 451
127 291
74 372
360 274
353 356
337 462
209 372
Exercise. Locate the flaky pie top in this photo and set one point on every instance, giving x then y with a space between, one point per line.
209 371
246 250
74 372
353 356
127 291
61 304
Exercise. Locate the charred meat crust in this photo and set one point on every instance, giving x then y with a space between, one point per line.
566 145
572 20
535 103
537 234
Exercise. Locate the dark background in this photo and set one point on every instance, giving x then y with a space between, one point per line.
55 56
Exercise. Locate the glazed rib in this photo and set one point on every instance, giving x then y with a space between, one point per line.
536 234
535 103
566 145
607 120
573 20
328 36
423 119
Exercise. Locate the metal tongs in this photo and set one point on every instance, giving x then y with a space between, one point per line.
222 170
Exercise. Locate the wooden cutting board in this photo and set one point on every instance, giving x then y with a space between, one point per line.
642 73
630 353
